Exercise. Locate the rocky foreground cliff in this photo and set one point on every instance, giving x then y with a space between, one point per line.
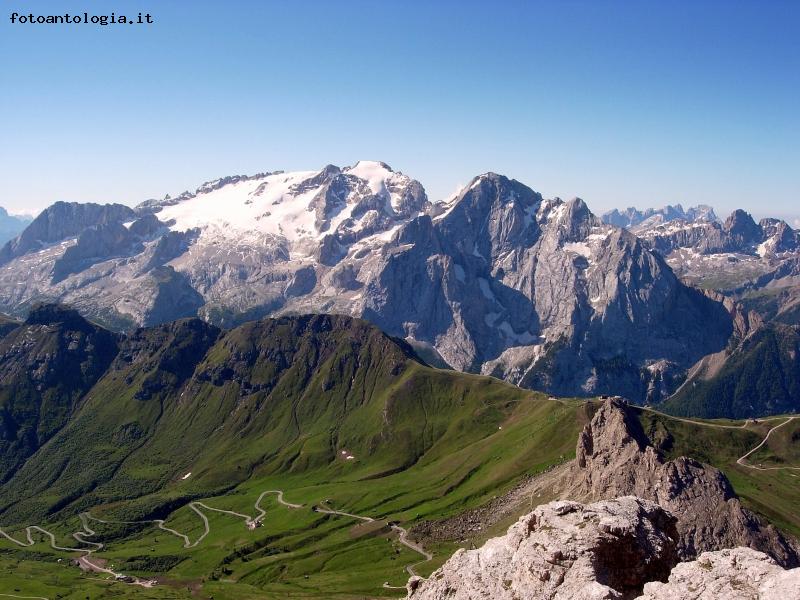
614 457
648 514
619 549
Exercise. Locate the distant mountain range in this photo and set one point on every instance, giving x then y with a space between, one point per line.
632 218
11 225
495 280
710 253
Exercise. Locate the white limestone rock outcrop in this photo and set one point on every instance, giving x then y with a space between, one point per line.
737 574
614 457
563 551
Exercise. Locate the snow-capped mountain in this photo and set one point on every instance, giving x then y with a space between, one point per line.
495 280
300 208
636 220
723 256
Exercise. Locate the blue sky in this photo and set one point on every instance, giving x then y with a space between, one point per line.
621 103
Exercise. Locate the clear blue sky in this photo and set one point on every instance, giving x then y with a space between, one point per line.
622 103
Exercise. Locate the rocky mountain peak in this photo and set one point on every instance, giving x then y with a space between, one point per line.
563 550
742 225
63 220
621 549
702 212
489 189
577 220
779 237
492 215
615 457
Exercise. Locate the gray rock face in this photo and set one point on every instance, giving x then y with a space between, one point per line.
785 238
742 229
495 280
11 225
566 304
61 221
614 457
737 574
622 548
563 551
95 244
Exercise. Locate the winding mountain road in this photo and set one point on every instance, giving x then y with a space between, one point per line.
196 507
159 523
251 522
83 561
262 513
741 460
402 538
86 531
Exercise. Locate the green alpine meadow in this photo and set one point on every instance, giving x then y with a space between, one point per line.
296 457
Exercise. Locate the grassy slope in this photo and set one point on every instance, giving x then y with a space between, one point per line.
270 406
343 560
773 494
302 554
44 372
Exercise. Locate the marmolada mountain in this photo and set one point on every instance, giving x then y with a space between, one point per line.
325 384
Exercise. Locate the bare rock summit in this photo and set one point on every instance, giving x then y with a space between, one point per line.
737 574
623 548
614 457
560 551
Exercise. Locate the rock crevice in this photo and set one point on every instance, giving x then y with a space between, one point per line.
563 550
617 549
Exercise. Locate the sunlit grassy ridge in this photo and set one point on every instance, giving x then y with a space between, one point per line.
272 405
